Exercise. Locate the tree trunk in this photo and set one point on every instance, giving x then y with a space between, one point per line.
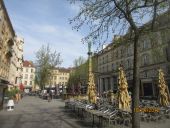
136 84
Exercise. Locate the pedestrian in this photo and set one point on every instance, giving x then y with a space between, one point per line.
51 94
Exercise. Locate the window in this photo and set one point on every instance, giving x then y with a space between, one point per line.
128 64
145 44
113 67
55 77
32 70
65 78
129 50
30 82
145 60
116 54
31 76
26 76
16 80
107 59
26 70
25 82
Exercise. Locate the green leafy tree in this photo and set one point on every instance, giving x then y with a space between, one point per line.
11 93
118 17
46 60
79 61
80 66
80 72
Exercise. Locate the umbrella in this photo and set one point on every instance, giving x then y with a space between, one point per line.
164 99
123 95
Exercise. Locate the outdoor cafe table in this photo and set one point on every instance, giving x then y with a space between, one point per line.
95 113
80 113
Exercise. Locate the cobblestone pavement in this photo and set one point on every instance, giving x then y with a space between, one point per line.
33 112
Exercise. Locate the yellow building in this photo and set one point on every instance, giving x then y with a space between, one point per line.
7 35
59 76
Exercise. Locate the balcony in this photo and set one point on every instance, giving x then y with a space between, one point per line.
10 42
19 74
9 52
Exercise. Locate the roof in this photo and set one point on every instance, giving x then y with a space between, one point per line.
62 69
27 63
162 21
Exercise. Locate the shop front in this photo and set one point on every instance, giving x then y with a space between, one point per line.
3 86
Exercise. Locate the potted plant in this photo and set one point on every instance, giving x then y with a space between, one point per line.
10 94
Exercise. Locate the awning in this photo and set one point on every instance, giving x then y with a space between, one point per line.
4 83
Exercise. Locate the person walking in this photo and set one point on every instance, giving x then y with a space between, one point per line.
51 94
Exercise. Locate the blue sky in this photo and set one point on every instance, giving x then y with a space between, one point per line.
46 21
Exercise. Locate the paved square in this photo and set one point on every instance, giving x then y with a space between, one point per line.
33 112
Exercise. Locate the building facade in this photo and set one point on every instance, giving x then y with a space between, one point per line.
28 75
16 62
59 76
154 53
7 35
